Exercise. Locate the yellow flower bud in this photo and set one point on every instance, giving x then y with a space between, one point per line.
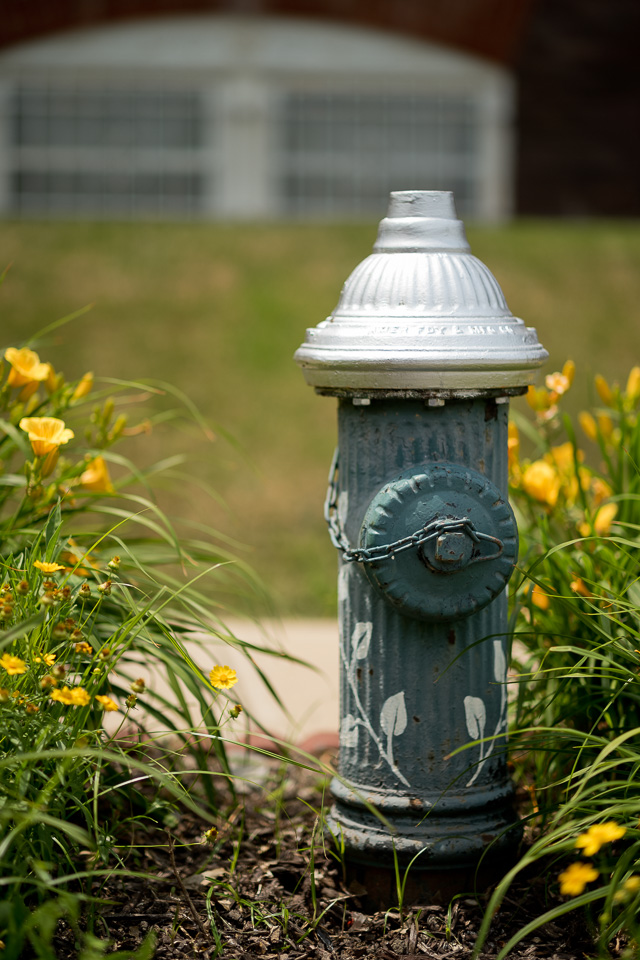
569 371
604 518
604 390
84 387
606 425
588 424
579 586
633 384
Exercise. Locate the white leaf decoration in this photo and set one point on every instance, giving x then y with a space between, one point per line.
343 584
349 731
360 640
499 662
393 716
476 716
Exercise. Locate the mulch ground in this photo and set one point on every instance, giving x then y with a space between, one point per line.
254 886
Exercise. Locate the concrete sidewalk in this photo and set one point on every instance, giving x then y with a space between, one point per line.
309 695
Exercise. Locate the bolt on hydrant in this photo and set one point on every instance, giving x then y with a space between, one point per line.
423 355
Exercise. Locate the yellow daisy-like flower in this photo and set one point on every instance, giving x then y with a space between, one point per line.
45 567
83 647
107 703
45 433
80 696
574 879
13 665
71 696
96 477
541 482
223 677
63 696
599 834
26 367
48 658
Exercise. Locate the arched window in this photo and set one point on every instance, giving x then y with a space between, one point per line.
247 117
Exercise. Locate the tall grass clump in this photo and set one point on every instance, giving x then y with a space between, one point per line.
100 594
576 621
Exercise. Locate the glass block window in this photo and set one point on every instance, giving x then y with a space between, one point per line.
105 151
341 154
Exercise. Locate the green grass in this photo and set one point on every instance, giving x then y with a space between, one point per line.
218 310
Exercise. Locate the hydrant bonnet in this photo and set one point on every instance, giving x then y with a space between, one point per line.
420 314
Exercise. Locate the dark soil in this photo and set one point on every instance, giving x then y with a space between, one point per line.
252 894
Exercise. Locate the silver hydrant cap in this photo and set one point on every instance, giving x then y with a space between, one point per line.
421 313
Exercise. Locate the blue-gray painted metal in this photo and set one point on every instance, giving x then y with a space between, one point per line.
464 563
412 690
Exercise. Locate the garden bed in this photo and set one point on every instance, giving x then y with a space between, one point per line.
251 894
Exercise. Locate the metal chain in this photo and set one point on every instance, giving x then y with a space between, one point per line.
372 554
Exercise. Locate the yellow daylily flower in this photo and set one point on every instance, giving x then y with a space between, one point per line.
26 367
96 477
539 598
604 518
574 879
563 457
538 399
541 482
600 490
45 433
579 586
13 665
597 835
223 677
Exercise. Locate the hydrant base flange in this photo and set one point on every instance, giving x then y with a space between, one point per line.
428 838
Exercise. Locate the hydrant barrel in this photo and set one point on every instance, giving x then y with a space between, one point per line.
423 355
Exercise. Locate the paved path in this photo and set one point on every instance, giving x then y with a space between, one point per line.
309 695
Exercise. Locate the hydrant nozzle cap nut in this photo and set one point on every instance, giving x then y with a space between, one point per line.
421 313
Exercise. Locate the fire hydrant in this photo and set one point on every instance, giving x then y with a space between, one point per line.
423 354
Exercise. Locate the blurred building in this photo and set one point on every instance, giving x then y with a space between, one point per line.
303 108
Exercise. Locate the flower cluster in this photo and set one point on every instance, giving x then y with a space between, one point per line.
577 875
43 420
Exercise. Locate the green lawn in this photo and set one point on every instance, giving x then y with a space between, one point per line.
218 310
